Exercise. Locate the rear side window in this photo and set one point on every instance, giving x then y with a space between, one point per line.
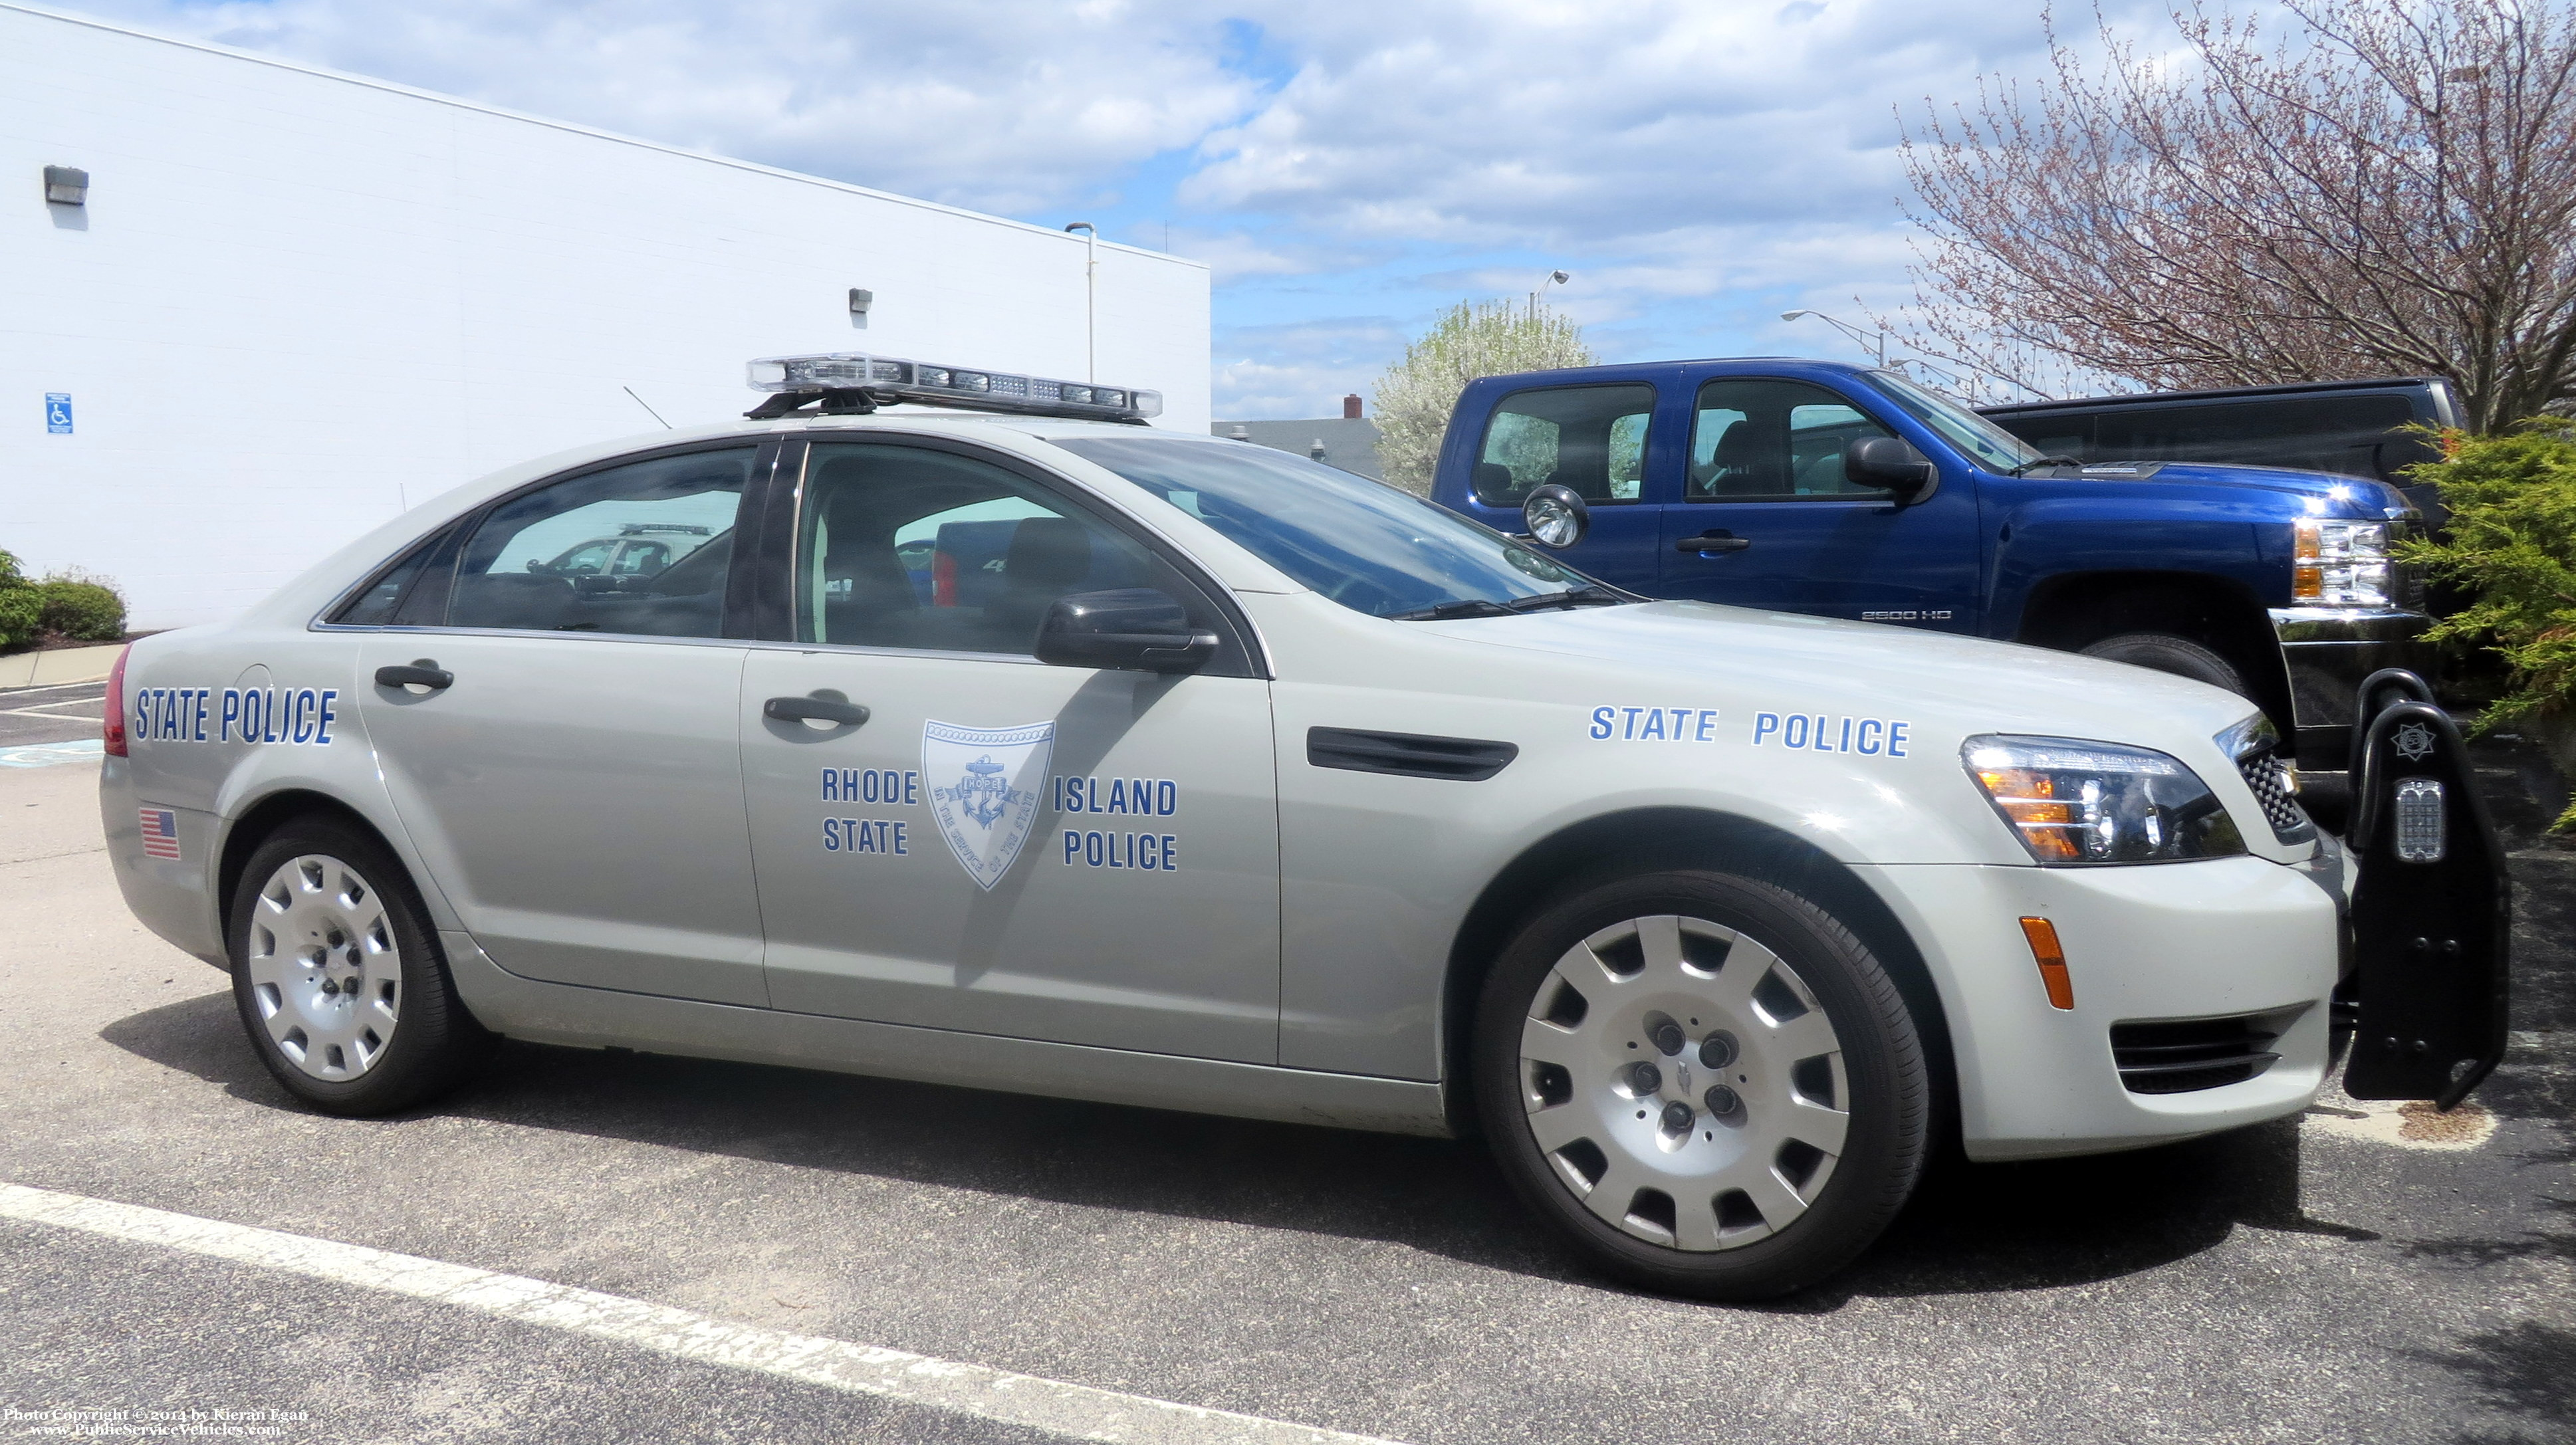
550 560
1589 438
379 603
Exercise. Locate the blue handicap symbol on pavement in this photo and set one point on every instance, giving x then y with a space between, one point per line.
58 413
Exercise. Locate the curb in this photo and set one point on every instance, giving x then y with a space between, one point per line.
59 665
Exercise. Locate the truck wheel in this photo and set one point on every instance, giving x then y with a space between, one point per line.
338 977
2165 652
1704 1081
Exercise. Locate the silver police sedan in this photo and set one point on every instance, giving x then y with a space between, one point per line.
1032 748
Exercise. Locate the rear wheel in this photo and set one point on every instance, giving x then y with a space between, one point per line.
2165 652
1705 1081
338 978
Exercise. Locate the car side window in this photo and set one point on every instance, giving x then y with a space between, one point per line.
1589 438
908 547
543 561
1757 439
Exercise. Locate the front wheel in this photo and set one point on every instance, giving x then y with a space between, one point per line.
2165 652
1704 1081
338 977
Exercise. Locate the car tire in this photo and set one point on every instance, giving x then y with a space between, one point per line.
338 977
1777 1142
2165 652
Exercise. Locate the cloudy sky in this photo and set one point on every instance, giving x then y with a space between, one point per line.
1348 169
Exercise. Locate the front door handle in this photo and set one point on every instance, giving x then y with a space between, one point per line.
1714 540
815 709
421 673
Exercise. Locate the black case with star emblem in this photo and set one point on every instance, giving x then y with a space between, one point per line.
2431 906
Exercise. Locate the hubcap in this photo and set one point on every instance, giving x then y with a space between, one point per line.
1684 1083
324 970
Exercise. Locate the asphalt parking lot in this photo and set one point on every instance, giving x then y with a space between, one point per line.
2354 1274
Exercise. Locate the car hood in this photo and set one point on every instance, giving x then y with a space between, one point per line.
1821 663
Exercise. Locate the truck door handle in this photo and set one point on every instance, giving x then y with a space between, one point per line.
815 709
1713 541
421 673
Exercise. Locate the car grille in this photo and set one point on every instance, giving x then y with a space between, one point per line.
2269 777
2177 1058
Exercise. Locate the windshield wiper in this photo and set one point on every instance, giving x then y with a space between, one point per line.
2026 468
1585 596
1443 611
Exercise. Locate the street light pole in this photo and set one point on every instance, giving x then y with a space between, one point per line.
1090 298
1876 341
1554 278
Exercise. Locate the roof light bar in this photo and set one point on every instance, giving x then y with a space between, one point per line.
854 381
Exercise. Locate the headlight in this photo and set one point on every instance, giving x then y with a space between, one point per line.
2071 801
2339 564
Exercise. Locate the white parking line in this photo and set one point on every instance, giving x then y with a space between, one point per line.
1077 1411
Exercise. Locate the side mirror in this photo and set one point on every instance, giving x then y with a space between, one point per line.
1556 516
1890 464
1134 628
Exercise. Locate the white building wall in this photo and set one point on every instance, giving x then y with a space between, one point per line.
298 300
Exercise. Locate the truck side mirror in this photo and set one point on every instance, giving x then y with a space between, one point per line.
1889 464
1134 628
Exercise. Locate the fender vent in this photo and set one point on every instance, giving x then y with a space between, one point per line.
1412 755
2178 1058
2270 779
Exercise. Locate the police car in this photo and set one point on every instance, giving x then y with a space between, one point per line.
1031 748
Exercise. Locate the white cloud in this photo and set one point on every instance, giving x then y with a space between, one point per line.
992 106
1700 165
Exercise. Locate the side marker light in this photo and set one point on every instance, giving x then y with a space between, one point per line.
2420 831
2051 958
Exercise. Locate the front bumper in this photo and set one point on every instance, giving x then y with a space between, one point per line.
2328 651
2225 939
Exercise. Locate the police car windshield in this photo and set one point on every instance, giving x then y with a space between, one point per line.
1363 544
1962 428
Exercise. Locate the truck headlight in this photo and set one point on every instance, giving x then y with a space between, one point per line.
2339 564
2071 801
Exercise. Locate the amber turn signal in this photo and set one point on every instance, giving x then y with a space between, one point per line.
2052 961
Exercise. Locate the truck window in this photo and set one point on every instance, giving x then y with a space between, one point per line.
1589 438
1763 440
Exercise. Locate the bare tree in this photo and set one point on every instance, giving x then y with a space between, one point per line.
2388 188
1416 395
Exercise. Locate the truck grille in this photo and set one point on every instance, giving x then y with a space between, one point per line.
2269 777
2405 579
2178 1058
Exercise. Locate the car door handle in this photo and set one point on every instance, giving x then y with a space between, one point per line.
420 673
1713 541
815 709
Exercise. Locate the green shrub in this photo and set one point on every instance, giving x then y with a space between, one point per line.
9 575
2512 539
22 612
82 610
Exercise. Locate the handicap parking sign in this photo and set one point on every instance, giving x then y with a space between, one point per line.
58 413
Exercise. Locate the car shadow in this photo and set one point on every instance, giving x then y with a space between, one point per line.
1970 1229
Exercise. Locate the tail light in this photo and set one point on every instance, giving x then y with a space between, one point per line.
112 719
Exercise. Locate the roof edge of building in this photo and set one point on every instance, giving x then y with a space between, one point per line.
571 127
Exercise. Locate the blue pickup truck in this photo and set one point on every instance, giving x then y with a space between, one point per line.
1842 491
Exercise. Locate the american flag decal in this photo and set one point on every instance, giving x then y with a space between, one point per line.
160 833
